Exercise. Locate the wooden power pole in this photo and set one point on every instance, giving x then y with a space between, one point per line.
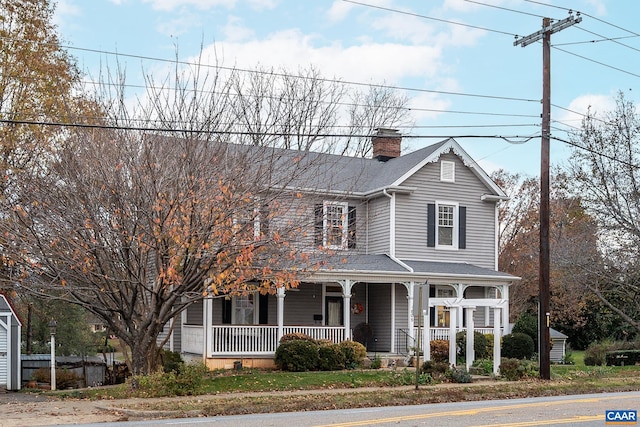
544 34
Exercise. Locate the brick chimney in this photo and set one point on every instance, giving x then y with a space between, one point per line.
386 144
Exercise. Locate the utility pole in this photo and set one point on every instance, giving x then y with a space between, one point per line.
544 316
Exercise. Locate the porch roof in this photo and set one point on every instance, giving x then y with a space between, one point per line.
383 268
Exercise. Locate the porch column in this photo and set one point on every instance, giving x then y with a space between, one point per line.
505 309
346 296
453 314
410 322
496 340
207 317
426 333
487 309
280 294
470 337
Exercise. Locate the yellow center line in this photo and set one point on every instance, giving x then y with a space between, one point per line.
475 411
576 419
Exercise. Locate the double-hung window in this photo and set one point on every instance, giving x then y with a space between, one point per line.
446 225
335 225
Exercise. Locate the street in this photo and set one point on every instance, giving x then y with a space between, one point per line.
576 410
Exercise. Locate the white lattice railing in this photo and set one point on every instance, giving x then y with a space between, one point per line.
443 333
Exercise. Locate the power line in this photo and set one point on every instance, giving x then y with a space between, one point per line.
504 8
597 153
596 62
388 9
238 133
281 74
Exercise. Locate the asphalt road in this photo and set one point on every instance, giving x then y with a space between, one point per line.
577 410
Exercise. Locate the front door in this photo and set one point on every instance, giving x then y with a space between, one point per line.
335 311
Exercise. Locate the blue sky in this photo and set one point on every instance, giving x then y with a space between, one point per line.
411 44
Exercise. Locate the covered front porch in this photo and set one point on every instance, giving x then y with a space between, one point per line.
379 308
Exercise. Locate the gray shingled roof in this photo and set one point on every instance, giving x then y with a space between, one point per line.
381 263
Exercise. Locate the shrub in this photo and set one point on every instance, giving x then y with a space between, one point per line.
354 353
64 378
171 361
297 355
516 369
479 344
459 375
527 324
517 346
440 351
489 350
189 381
331 358
510 369
376 363
296 336
483 366
437 370
595 354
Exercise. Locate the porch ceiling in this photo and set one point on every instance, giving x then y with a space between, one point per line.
384 269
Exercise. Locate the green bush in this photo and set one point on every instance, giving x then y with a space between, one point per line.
331 358
188 382
595 354
440 351
296 336
459 375
483 366
479 344
297 356
376 363
517 346
489 350
171 361
437 370
354 353
516 369
527 324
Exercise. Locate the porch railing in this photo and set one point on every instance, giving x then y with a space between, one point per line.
262 340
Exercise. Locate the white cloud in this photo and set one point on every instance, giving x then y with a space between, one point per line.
593 103
599 6
234 31
65 9
169 5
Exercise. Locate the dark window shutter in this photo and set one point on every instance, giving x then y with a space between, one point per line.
432 310
264 221
462 227
351 228
263 307
318 224
431 225
226 311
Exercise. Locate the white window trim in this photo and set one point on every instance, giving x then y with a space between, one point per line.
256 222
345 224
256 316
447 166
456 224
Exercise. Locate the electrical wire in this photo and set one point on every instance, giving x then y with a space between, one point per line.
596 62
388 9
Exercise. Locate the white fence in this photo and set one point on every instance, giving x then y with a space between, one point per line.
443 333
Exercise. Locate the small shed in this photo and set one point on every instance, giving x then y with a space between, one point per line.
558 345
10 342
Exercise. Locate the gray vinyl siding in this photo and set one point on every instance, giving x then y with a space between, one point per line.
380 315
477 292
194 313
402 307
378 230
411 216
300 305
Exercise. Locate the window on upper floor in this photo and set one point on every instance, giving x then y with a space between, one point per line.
446 225
249 222
335 225
447 171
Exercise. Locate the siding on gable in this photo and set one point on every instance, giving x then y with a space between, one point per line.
378 230
411 216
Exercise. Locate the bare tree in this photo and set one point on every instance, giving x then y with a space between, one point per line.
134 224
605 167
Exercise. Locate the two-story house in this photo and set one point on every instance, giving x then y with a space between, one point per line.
398 226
